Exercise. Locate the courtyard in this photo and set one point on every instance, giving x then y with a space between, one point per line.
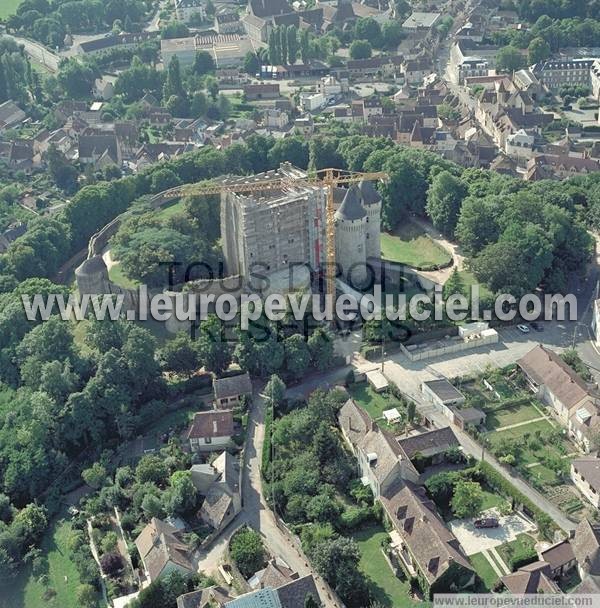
475 540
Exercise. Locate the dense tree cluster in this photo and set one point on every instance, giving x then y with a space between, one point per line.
247 551
49 22
557 9
557 33
17 79
308 473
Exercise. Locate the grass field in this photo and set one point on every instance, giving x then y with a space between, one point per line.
409 245
374 403
528 456
117 275
63 579
166 212
468 279
386 588
484 570
8 7
491 500
512 415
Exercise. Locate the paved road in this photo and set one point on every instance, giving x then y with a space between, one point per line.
39 53
256 513
471 447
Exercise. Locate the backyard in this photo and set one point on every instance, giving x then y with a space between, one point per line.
375 403
411 246
386 588
485 571
60 591
520 432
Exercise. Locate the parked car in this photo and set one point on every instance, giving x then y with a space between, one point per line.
487 522
537 326
523 328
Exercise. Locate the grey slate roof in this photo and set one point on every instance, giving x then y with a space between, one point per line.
354 421
444 389
233 386
589 468
294 594
369 195
436 440
586 547
351 207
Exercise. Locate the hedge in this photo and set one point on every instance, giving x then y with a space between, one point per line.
498 483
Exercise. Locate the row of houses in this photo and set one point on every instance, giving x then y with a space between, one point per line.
425 549
558 561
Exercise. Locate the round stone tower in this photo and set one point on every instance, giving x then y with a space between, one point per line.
92 277
350 238
371 201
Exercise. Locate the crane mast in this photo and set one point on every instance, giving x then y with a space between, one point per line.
329 179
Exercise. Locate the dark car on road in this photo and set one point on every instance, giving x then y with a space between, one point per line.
487 522
537 326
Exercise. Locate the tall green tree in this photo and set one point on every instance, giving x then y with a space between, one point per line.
444 199
292 44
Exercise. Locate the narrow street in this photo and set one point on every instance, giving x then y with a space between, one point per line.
257 515
38 53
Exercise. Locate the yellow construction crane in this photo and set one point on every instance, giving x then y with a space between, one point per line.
327 178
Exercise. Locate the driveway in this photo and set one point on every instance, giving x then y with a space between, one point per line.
474 540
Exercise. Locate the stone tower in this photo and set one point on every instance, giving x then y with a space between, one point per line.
371 201
350 238
92 277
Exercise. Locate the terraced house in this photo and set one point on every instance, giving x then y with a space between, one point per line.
423 547
560 387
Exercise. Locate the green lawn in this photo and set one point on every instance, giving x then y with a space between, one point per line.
510 415
386 588
8 7
374 403
409 245
468 279
491 500
528 456
27 592
521 545
484 570
116 275
168 211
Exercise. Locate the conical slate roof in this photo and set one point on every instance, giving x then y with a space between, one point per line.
91 266
351 208
369 195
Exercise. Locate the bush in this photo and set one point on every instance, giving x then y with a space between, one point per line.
353 517
111 563
247 551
